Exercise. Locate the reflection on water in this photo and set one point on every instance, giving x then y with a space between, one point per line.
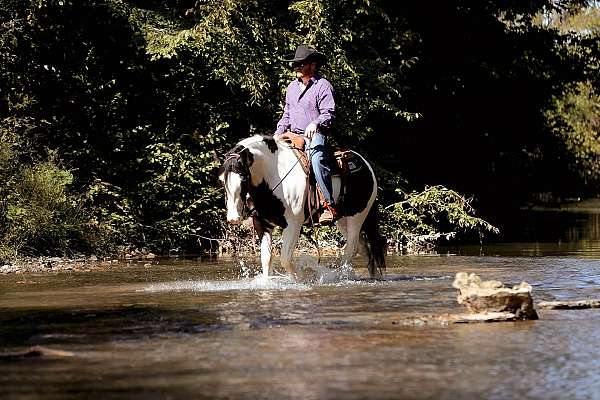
557 226
554 232
187 329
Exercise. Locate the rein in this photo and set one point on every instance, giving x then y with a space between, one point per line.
246 177
245 174
285 176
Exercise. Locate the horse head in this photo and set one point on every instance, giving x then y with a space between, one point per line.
234 174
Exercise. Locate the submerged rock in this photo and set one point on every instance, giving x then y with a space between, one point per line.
36 352
447 319
570 305
482 317
485 297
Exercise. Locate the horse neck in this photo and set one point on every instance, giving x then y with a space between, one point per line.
262 165
267 165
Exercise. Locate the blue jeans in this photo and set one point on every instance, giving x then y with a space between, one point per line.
319 160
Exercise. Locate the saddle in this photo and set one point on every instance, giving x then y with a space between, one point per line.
346 163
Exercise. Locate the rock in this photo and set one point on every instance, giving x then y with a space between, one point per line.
482 317
484 297
446 319
569 305
8 269
93 258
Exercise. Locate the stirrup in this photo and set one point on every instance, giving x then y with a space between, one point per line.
328 216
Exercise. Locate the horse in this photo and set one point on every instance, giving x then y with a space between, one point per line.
263 175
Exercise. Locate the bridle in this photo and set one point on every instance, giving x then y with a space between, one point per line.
243 171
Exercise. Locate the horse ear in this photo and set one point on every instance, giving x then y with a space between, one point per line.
217 156
247 157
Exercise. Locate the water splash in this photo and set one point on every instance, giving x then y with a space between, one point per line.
310 274
310 271
246 270
257 283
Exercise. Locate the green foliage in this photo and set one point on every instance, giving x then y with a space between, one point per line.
574 120
434 212
176 205
8 143
581 20
38 212
136 98
39 209
242 43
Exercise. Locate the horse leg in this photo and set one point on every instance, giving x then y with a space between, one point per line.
352 235
367 253
357 240
341 225
290 238
363 248
266 246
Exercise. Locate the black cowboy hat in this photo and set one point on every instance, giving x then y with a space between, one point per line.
304 53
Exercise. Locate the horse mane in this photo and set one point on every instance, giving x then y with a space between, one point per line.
230 164
233 157
264 140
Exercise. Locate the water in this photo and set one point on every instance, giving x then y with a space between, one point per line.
192 329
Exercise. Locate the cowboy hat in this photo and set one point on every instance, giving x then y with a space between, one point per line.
304 53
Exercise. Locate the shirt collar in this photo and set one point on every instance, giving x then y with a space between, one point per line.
313 79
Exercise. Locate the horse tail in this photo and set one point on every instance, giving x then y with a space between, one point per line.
376 243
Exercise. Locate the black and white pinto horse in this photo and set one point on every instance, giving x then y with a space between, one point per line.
263 173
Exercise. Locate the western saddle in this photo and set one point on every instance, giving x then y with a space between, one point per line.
346 163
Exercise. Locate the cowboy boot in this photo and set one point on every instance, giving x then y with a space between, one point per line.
329 215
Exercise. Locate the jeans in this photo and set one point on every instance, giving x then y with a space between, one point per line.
320 161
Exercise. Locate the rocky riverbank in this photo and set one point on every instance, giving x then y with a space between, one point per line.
27 265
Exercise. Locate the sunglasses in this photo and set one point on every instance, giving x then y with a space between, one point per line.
299 65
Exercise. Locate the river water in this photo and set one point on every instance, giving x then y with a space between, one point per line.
209 329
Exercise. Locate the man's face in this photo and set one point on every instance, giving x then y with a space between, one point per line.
304 69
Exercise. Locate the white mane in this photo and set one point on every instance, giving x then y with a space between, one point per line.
249 142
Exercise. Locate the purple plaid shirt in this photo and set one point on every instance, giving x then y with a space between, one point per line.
303 106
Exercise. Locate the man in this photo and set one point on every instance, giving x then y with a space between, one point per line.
309 110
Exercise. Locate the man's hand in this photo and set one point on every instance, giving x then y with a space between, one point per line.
310 130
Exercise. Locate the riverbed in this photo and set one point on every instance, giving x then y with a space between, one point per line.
210 329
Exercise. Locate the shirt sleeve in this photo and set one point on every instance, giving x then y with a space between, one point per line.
284 123
326 105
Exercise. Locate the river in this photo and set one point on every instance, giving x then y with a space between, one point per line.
209 329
